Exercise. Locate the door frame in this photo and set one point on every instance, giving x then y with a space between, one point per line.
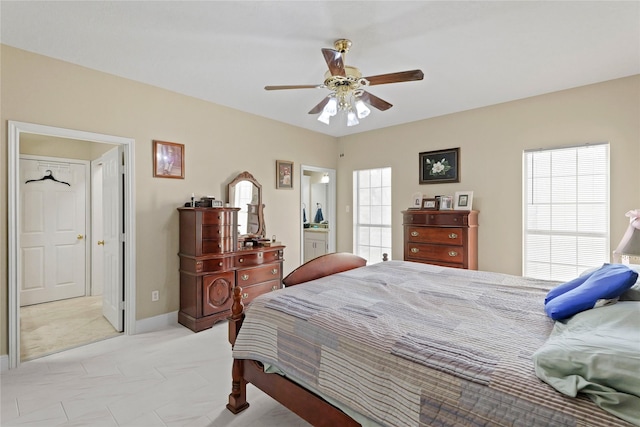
15 129
331 211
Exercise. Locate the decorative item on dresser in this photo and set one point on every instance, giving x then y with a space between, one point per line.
447 238
212 264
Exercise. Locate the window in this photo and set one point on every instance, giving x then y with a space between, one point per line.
372 213
566 211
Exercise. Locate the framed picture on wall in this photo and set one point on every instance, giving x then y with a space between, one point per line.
284 174
168 160
441 166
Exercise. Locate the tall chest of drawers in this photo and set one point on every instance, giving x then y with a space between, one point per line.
447 238
211 265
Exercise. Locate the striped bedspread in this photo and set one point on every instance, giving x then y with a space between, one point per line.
409 344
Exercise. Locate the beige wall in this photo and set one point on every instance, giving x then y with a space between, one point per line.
221 142
491 142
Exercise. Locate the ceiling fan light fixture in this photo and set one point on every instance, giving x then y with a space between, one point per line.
324 117
347 87
332 107
352 119
361 109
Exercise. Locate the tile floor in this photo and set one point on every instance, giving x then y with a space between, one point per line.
172 377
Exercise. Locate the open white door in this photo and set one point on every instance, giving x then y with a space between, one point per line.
113 291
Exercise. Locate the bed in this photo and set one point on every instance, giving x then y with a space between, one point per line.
405 344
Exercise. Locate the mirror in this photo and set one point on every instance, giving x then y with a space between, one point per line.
245 192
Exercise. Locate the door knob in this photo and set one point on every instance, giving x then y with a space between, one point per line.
101 242
80 237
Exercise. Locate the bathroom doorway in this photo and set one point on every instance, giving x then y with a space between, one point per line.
317 211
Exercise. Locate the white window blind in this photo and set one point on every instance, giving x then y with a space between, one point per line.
372 213
566 211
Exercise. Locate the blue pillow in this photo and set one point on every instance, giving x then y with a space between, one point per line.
566 287
608 282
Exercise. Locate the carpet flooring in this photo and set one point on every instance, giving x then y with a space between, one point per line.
60 325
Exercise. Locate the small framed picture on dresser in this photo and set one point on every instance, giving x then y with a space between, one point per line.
430 204
446 203
463 200
416 201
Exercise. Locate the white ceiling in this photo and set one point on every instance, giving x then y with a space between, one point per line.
473 54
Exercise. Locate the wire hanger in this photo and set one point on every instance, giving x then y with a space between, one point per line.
49 175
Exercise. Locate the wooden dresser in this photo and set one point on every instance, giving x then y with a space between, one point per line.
447 238
211 265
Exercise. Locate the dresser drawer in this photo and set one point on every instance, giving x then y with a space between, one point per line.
213 265
217 246
218 217
447 236
216 231
440 218
251 276
427 252
250 292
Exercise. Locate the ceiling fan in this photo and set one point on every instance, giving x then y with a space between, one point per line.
346 85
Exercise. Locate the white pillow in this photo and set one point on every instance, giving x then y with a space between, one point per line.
633 294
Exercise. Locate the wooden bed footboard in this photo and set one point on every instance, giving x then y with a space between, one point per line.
299 400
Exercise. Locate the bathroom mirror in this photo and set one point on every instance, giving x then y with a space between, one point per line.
245 192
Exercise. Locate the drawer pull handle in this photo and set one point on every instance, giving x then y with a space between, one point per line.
453 253
259 254
414 233
453 235
241 260
274 288
245 277
245 295
274 271
415 250
220 264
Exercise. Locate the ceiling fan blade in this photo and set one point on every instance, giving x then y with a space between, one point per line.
334 61
318 108
293 87
402 76
374 101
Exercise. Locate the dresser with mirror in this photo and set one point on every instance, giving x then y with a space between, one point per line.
215 255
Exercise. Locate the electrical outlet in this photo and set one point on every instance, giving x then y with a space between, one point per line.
155 295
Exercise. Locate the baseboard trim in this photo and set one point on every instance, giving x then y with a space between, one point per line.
156 323
4 362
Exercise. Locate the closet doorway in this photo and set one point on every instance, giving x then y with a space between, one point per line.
317 211
62 148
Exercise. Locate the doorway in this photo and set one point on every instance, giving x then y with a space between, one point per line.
67 143
317 211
